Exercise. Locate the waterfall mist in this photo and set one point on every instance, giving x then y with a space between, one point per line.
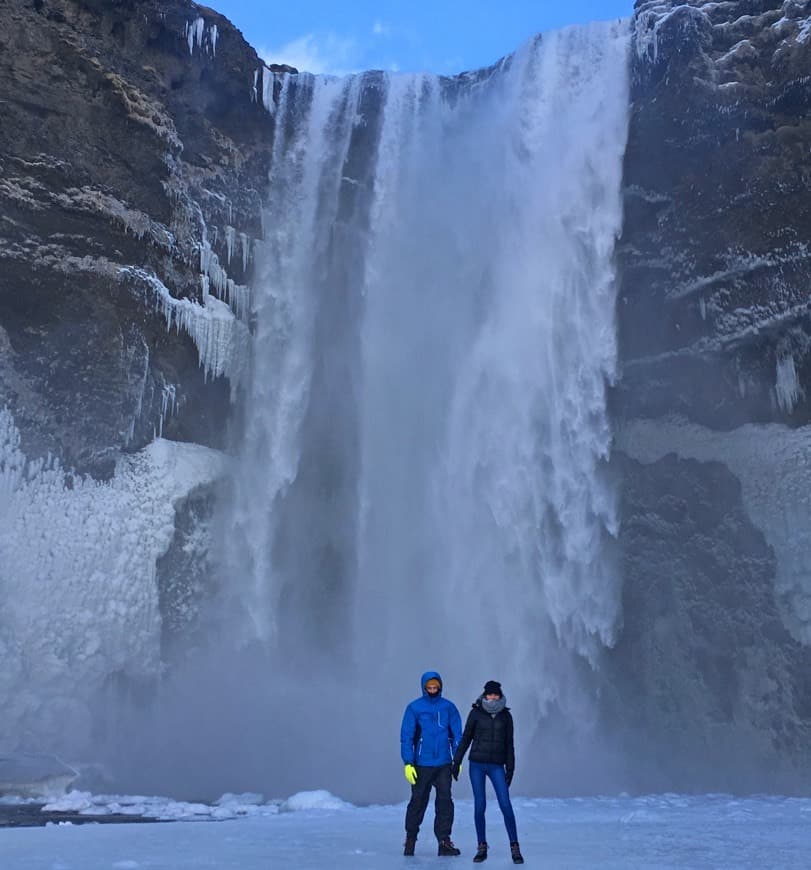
420 480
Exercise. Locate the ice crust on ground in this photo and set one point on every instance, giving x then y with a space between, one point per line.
77 580
665 832
229 806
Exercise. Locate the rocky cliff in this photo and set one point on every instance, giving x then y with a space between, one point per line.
133 161
134 153
711 406
134 157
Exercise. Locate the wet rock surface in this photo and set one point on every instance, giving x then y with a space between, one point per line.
34 816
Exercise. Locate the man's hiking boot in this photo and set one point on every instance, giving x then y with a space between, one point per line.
446 848
410 843
515 849
481 854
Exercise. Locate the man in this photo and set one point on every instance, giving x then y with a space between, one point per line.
429 736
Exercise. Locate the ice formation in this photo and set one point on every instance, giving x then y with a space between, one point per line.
168 406
789 20
198 36
230 238
222 340
77 575
194 33
787 386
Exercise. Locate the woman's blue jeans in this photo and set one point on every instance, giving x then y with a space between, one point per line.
478 775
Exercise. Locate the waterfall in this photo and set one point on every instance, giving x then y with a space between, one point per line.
421 481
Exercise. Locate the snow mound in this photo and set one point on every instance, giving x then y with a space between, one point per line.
314 800
229 806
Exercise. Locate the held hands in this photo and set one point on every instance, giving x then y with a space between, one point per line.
410 773
509 776
456 769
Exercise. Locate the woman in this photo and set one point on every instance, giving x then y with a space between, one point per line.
489 728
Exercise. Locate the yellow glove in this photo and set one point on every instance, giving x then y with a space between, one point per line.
410 773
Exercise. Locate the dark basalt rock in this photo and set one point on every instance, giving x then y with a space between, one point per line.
707 689
123 139
715 255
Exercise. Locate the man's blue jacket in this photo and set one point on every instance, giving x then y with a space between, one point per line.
431 729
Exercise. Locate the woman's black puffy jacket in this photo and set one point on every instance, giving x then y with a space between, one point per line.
491 737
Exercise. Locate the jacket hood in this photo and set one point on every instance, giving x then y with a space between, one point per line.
430 675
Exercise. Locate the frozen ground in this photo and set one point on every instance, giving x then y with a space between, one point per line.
312 831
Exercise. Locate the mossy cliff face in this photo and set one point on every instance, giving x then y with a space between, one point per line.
130 136
709 684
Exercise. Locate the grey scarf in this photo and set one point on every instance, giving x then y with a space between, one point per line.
493 707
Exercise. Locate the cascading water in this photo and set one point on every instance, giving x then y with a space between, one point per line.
421 480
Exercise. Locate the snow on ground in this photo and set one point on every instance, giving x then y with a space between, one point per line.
314 830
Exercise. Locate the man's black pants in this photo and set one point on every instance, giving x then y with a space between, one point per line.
440 779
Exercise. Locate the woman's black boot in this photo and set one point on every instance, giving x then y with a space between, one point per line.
481 854
515 850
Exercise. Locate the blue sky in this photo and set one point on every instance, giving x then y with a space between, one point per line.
441 36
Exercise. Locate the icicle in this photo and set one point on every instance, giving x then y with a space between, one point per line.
194 33
238 296
205 257
214 33
199 27
230 238
243 240
254 92
787 386
168 405
221 339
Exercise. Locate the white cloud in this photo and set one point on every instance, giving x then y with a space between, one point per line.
380 28
328 54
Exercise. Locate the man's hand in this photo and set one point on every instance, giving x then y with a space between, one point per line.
410 773
456 769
